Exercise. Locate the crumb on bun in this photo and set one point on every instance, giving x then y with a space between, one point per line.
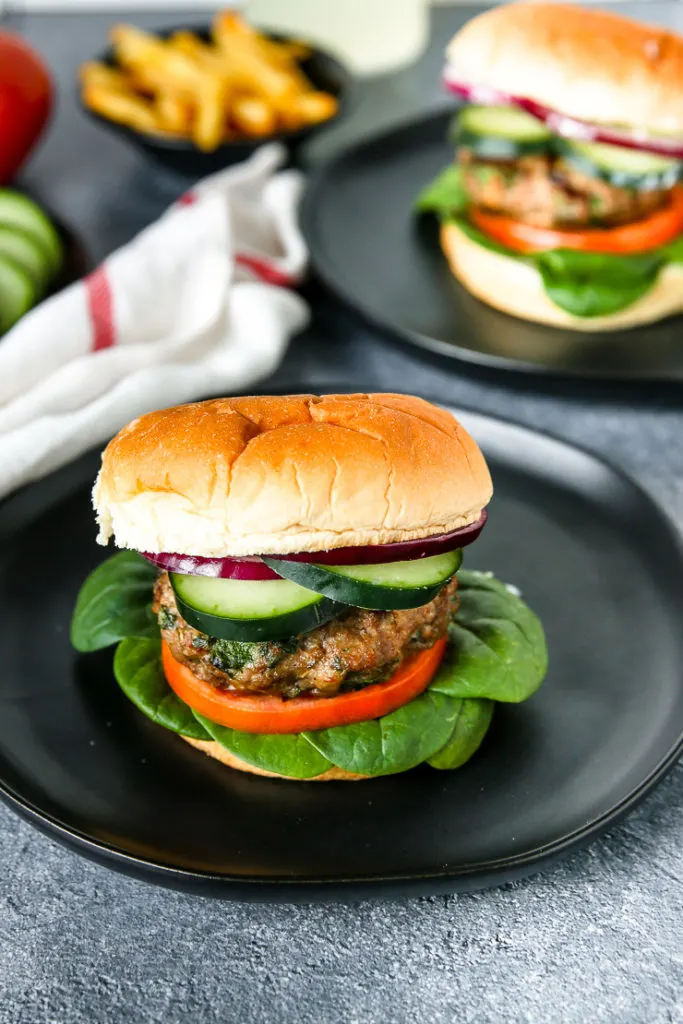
278 474
593 65
517 288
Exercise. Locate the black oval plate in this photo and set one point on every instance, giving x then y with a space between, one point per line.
372 251
592 554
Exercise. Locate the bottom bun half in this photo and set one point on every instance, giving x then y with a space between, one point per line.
517 288
214 749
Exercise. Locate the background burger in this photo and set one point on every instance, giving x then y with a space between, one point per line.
297 610
565 204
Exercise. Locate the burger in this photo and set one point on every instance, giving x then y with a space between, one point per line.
565 202
290 598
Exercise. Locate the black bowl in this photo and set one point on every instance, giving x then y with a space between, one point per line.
323 70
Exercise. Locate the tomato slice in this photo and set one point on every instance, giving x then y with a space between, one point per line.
639 236
267 713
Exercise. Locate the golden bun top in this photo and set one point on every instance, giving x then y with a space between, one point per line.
278 474
585 63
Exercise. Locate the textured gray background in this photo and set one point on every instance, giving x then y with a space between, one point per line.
596 939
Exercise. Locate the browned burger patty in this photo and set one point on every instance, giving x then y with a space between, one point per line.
548 192
358 648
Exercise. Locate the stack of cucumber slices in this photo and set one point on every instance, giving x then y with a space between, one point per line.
30 255
299 596
506 133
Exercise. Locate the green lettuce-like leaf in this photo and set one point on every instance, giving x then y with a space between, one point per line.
394 743
584 284
497 646
673 252
115 602
595 284
445 196
471 725
291 755
138 671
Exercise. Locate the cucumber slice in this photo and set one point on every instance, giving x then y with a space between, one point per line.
500 133
17 293
18 211
387 586
28 253
250 609
621 167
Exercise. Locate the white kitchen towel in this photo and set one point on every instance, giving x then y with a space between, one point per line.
196 304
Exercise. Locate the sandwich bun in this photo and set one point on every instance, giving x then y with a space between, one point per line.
588 64
215 750
279 474
517 288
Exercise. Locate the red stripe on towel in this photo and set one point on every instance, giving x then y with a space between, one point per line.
262 269
265 271
101 309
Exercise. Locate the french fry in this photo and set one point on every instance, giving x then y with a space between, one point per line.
137 50
252 116
306 109
192 46
133 46
230 28
94 73
118 106
313 107
209 125
295 50
252 71
230 23
173 113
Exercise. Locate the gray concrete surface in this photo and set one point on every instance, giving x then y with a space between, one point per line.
596 939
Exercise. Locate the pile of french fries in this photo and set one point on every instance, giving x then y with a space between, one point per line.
240 85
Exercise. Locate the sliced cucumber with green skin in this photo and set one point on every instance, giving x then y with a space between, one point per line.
387 586
619 166
28 253
17 293
250 609
500 133
18 211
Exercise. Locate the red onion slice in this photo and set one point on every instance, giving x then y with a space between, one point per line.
222 568
405 549
252 568
561 124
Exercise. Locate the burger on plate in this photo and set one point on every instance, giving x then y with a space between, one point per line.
291 599
565 202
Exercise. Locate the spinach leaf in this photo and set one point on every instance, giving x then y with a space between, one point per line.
673 252
291 755
114 603
497 646
595 284
138 671
445 196
471 725
394 743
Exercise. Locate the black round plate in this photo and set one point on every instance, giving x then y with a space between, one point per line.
370 248
592 554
